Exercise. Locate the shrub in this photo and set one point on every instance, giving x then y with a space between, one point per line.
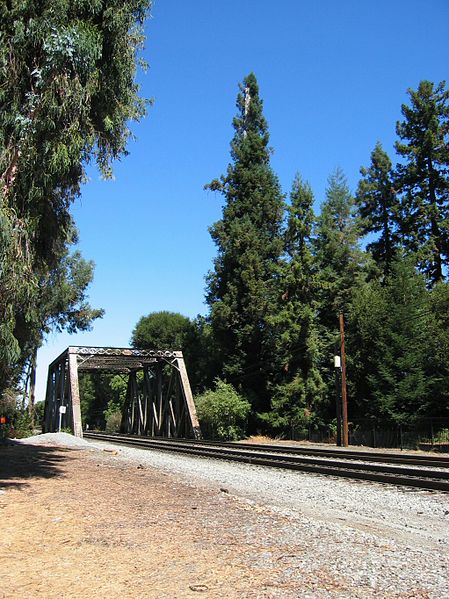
23 425
222 412
39 408
442 436
113 421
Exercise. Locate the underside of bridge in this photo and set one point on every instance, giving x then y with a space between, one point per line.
158 403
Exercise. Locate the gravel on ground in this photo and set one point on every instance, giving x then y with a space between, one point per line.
138 523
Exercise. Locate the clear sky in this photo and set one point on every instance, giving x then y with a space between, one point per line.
333 75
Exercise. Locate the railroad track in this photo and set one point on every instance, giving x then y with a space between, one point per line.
426 472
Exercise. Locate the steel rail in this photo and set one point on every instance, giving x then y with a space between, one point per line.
343 453
401 476
348 454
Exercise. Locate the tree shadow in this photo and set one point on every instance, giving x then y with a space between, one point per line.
21 462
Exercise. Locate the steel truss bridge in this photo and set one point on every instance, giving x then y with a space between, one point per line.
159 401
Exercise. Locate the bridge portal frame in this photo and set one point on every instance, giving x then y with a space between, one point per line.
159 403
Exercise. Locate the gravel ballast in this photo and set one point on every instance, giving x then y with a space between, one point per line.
382 541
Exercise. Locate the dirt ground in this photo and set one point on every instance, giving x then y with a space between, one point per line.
77 523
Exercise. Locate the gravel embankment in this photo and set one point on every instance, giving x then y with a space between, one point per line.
388 541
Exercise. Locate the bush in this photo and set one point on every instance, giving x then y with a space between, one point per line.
222 412
39 408
442 436
113 422
23 425
8 411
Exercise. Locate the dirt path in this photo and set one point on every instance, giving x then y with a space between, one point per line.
78 524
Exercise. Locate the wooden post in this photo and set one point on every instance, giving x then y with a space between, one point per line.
344 402
338 403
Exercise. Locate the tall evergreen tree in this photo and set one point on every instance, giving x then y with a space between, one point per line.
437 345
241 289
341 266
423 180
339 257
389 346
298 387
378 207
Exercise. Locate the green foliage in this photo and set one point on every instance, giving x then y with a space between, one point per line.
60 303
378 207
95 394
275 293
437 345
298 386
423 179
171 330
67 95
289 406
162 330
339 258
22 424
38 416
388 346
442 436
241 290
341 266
8 409
222 412
118 386
113 421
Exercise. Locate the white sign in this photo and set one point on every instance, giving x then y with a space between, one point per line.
62 409
337 362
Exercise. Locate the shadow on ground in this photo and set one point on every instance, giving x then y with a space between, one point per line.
21 462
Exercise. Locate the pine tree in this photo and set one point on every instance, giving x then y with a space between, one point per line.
437 346
341 267
423 180
241 289
299 387
390 347
378 207
339 258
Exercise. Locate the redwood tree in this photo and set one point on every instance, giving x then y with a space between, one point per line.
242 287
423 179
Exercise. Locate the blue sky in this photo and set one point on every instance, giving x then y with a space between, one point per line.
333 75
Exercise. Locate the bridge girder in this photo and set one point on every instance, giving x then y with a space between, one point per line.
159 402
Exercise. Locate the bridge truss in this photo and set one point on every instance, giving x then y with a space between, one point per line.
158 403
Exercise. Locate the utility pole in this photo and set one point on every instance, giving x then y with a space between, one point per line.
337 365
344 402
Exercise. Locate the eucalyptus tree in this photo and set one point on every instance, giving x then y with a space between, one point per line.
67 95
61 303
241 290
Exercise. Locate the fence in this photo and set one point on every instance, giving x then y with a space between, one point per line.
427 433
